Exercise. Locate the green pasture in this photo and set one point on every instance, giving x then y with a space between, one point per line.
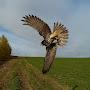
74 72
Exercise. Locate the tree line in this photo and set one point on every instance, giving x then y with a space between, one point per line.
5 48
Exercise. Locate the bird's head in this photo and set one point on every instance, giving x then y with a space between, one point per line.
53 38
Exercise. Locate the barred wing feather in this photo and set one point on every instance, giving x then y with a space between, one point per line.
50 56
37 24
61 33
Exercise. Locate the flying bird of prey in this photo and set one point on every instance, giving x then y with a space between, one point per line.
52 40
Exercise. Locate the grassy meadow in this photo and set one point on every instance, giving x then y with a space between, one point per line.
74 72
65 74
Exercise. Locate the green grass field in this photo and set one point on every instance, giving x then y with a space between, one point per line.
65 74
20 74
74 72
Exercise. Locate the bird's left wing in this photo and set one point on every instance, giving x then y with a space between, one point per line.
37 24
50 56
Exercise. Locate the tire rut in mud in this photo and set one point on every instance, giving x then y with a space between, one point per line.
5 74
30 78
24 80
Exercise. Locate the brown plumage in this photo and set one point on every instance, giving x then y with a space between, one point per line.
49 58
51 40
37 24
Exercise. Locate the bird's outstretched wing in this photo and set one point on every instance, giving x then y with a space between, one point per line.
50 56
60 33
37 24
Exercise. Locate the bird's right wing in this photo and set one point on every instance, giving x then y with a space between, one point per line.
50 56
37 24
61 33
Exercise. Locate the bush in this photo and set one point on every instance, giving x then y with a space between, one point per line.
5 49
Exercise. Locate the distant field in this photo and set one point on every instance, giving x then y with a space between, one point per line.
72 71
25 74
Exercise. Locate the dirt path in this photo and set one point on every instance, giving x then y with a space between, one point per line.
30 78
24 80
5 73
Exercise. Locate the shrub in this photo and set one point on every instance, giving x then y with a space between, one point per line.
5 49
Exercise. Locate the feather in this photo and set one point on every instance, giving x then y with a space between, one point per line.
50 56
37 24
61 33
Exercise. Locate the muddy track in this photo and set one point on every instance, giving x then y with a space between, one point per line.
5 73
24 80
30 78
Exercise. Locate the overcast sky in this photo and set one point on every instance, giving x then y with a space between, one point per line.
25 41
